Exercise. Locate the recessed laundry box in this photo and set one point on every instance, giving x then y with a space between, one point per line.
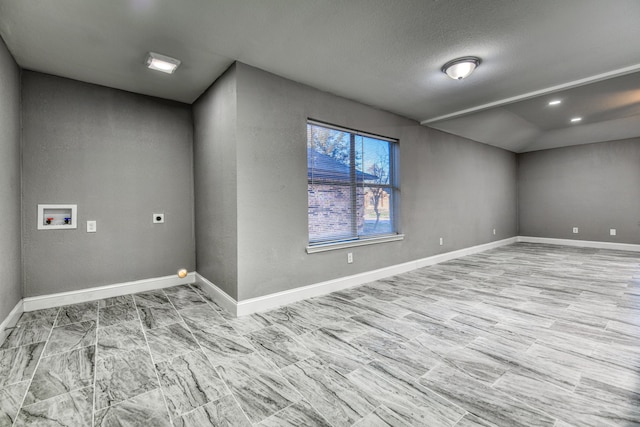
57 217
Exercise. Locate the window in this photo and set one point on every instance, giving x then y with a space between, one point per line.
351 184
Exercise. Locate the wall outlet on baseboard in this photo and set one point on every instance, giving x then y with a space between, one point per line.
441 241
350 258
575 230
612 232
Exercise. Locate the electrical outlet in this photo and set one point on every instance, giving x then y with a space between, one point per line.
92 226
575 230
494 231
612 232
441 241
158 218
350 258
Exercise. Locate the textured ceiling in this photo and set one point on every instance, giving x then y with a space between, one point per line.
385 53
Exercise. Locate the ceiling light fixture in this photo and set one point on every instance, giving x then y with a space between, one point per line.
460 68
576 119
555 102
163 63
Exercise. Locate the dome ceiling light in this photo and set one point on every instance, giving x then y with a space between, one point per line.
460 68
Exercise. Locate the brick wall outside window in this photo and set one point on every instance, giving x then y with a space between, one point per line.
330 210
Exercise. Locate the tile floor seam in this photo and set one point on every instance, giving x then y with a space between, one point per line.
544 412
311 356
303 397
233 396
320 412
153 365
269 362
367 414
188 412
575 387
461 417
71 305
284 378
493 385
71 390
416 380
35 369
288 406
525 403
95 370
297 340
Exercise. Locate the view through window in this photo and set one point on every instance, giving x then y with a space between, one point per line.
351 184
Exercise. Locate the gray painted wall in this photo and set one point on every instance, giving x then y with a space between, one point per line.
594 187
450 187
120 157
10 218
214 149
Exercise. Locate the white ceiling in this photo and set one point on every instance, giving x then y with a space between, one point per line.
610 110
386 53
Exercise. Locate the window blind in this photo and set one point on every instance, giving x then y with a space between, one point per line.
351 184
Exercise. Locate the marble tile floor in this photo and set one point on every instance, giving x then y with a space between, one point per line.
522 335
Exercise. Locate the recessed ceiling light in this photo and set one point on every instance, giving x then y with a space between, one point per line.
555 102
460 68
163 63
576 119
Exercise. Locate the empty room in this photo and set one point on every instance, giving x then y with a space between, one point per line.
320 213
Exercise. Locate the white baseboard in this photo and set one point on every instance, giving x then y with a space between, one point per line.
581 243
448 256
100 292
218 295
11 320
268 302
278 299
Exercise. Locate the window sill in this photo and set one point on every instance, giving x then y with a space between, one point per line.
353 243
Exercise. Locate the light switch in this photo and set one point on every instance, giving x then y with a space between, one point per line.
91 226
